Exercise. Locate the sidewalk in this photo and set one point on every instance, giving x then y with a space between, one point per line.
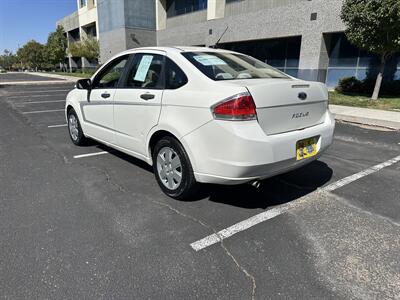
367 116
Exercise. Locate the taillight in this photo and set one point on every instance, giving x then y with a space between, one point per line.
236 108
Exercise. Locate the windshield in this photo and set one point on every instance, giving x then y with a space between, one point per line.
231 66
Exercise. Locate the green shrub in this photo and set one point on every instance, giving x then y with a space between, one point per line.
351 85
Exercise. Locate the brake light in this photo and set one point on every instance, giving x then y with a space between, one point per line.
236 108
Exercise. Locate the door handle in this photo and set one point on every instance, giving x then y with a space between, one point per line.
105 95
147 96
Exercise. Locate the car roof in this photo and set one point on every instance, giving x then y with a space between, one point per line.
175 49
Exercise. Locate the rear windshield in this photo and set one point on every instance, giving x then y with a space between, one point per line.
231 66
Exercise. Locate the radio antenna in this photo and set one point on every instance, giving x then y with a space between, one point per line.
222 35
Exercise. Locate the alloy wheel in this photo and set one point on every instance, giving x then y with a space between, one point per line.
73 127
169 168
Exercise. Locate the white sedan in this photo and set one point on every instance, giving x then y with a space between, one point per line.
201 115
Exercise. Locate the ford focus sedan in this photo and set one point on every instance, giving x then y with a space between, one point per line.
201 115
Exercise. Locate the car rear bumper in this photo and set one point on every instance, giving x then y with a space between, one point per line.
224 152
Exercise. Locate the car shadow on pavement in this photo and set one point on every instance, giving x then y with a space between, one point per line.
130 159
273 191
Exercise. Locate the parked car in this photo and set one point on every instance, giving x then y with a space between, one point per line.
201 115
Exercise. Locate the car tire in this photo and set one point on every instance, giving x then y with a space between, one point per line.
169 161
74 129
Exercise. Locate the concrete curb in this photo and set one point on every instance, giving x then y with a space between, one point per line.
56 76
365 116
367 121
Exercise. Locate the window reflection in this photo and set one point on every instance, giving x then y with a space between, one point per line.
334 75
346 60
180 7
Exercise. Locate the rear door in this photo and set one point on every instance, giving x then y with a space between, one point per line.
137 105
98 110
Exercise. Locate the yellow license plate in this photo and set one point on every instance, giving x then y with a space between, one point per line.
306 148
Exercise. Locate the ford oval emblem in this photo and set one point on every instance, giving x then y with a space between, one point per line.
302 96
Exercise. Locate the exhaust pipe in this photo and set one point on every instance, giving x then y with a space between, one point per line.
255 183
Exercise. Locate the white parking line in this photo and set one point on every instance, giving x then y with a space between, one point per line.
41 111
90 154
267 215
354 177
56 126
238 227
36 102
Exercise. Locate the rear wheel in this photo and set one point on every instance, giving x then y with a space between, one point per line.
75 129
173 170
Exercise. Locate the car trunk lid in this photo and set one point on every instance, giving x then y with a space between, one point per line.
285 105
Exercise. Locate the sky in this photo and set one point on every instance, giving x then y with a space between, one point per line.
23 20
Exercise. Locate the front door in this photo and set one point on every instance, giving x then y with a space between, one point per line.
98 110
137 105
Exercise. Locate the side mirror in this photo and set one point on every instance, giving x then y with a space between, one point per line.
84 84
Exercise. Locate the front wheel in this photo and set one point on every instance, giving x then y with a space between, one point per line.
75 129
173 170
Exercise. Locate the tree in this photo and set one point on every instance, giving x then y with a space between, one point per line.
374 25
7 60
91 49
56 46
32 55
87 48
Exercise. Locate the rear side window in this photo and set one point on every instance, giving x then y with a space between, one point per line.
174 76
146 72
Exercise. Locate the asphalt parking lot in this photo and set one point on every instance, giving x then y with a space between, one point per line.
22 77
83 226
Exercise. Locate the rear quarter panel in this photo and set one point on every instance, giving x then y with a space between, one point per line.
188 108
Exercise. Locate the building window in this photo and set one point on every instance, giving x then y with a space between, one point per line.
346 60
282 54
74 35
82 3
90 30
180 7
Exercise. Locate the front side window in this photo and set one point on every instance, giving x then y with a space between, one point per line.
146 72
231 66
109 78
